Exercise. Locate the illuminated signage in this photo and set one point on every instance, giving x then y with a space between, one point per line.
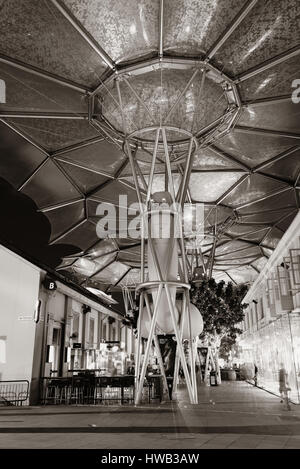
77 345
49 284
103 341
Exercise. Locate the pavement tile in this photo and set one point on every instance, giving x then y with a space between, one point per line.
242 417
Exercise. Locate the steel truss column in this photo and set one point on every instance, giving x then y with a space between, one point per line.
143 104
186 299
162 284
191 351
186 176
188 312
177 359
140 377
211 259
138 355
180 347
181 95
157 347
153 165
168 166
139 381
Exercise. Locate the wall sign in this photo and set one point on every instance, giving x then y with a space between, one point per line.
103 341
25 318
49 284
77 345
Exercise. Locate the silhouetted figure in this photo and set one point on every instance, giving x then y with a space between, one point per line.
130 370
255 374
284 386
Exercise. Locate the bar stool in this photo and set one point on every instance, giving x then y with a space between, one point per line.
77 390
52 391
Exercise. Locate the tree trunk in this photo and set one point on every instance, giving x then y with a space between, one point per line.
218 372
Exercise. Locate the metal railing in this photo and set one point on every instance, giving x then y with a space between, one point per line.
92 390
14 392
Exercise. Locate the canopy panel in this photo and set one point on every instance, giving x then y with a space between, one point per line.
83 76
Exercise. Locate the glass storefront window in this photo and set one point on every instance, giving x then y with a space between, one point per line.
272 347
91 334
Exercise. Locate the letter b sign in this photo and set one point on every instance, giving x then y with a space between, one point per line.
49 284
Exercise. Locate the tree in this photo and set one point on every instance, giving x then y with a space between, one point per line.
221 307
131 317
226 346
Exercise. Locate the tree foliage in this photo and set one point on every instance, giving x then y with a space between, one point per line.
226 346
221 307
131 317
219 304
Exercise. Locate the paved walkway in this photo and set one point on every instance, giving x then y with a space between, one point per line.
233 415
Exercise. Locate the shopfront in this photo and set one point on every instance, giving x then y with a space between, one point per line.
82 335
19 310
276 346
271 327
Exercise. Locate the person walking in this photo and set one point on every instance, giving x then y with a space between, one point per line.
284 386
255 374
131 370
